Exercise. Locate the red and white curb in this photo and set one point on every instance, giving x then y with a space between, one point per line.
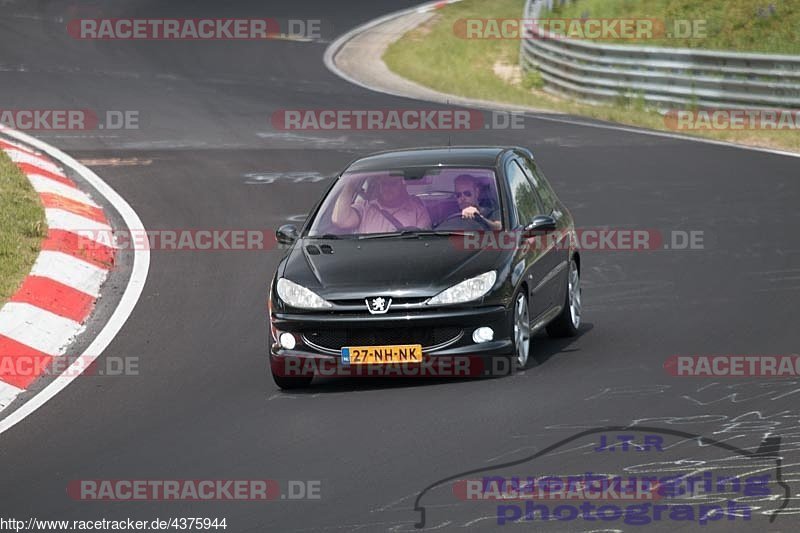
51 307
427 8
48 310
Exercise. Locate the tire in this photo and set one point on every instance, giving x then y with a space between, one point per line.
293 382
290 382
568 321
520 334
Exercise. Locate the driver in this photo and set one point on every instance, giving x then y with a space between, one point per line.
393 208
466 192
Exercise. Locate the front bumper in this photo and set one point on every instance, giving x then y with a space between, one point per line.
449 332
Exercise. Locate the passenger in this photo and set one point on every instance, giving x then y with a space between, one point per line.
467 195
393 209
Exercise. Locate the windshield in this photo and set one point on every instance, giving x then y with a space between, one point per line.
411 200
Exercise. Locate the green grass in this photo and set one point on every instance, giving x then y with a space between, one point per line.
22 227
768 26
434 56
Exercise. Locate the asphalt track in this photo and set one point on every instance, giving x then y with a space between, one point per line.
203 406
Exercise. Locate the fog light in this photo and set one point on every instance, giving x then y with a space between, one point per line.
287 341
483 334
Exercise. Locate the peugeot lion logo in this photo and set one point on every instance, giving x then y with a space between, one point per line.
379 305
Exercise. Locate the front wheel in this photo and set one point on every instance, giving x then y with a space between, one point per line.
568 321
294 382
290 382
521 334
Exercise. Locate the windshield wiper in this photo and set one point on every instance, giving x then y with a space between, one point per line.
443 232
413 234
325 236
382 235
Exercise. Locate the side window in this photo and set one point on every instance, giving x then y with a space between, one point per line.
546 194
526 200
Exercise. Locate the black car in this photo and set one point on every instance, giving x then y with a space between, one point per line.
416 255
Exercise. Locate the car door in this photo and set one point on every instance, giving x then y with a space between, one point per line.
535 258
558 255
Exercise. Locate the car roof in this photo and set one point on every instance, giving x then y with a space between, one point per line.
455 156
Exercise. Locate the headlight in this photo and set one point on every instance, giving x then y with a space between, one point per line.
466 291
298 296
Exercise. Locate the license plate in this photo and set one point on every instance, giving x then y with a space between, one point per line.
376 355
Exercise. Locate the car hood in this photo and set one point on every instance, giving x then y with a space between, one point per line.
397 267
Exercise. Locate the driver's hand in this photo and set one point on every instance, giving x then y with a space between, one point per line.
469 212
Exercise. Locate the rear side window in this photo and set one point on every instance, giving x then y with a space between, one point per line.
526 200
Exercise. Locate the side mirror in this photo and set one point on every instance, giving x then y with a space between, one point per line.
287 234
539 225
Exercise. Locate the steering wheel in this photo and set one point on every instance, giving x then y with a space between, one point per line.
463 223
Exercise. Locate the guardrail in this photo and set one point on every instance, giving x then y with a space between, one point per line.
664 77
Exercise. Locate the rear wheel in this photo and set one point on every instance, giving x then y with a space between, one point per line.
567 322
